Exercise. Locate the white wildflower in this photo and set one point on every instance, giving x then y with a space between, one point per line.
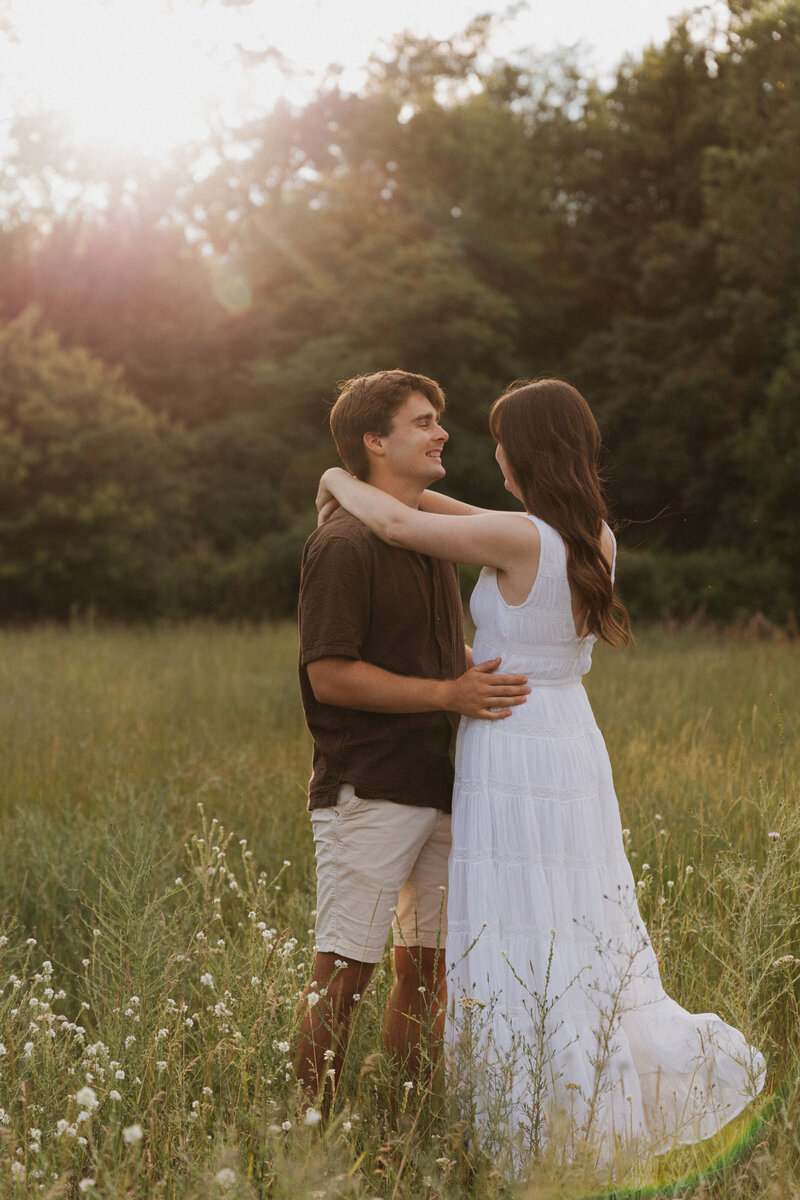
87 1098
85 1184
207 980
132 1134
225 1177
312 998
313 1116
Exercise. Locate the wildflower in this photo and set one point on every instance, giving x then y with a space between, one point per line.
287 862
3 1051
690 870
774 835
470 1002
132 1134
225 1177
284 1048
785 960
313 1116
286 1126
162 1066
356 996
207 980
347 1126
129 1040
408 1084
17 1172
312 998
114 1095
85 1184
28 1049
119 1074
207 1092
87 1098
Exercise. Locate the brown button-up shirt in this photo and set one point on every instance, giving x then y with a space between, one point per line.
363 599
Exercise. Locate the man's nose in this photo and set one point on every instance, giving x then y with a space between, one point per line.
443 434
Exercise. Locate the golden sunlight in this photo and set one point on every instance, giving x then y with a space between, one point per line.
137 75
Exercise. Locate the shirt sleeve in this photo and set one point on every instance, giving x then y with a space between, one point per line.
334 609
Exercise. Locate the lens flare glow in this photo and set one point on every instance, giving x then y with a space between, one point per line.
141 75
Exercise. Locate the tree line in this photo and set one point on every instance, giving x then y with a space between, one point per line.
170 338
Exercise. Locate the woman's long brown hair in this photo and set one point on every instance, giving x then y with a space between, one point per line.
552 445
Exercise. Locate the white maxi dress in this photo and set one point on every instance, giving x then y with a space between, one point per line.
558 1028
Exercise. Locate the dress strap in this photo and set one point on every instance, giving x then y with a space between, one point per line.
614 556
552 551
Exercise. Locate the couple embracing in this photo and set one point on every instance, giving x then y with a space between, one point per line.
515 924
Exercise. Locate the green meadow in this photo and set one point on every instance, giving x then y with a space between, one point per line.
156 914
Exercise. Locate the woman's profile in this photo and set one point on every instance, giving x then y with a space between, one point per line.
557 1019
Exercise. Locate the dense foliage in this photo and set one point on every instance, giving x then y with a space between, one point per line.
171 339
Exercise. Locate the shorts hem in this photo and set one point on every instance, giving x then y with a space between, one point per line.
364 954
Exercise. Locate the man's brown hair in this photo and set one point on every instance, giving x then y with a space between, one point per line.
367 404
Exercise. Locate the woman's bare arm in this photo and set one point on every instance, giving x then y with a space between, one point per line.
437 502
496 539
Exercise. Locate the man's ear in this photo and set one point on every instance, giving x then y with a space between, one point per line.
374 444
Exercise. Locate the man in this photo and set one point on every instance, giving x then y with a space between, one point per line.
382 665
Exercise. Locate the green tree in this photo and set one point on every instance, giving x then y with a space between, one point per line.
91 509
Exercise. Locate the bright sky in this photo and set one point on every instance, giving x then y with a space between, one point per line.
143 74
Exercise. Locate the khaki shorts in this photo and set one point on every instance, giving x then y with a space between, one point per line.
380 865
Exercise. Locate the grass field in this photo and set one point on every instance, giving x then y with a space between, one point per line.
156 897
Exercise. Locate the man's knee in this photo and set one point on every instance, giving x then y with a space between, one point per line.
420 966
342 979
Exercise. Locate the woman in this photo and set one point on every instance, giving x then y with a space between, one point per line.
557 1018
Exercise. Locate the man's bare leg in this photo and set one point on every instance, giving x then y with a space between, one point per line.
411 1010
325 1026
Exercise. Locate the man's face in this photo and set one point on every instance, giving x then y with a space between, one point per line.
413 446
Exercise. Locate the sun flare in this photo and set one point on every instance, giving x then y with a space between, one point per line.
139 75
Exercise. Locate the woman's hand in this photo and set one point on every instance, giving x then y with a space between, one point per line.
326 501
326 512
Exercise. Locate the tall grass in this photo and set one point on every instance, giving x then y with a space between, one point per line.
156 906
